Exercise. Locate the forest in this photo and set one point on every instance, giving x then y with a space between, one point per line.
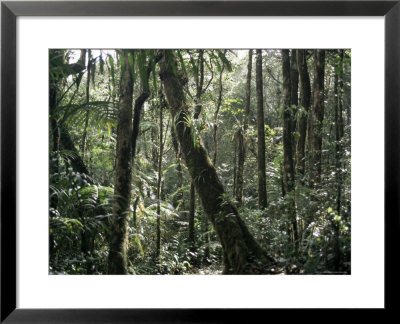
199 161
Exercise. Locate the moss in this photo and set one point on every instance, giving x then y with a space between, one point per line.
117 263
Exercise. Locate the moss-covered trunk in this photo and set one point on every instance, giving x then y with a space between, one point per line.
117 263
242 254
305 100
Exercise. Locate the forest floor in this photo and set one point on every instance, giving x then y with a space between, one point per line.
212 270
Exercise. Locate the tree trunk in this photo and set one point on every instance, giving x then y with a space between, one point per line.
219 102
281 180
242 135
294 97
117 262
235 145
198 108
192 208
199 84
305 100
134 212
87 248
338 84
159 179
84 136
242 254
288 168
317 117
87 236
180 198
262 182
340 95
239 150
54 125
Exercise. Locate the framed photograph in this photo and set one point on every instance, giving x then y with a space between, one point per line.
186 161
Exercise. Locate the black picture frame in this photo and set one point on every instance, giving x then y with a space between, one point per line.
10 10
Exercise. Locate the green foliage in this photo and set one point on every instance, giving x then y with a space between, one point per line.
80 212
82 209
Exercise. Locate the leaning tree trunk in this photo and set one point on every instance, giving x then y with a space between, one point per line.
262 182
243 134
317 117
288 168
242 254
117 262
305 100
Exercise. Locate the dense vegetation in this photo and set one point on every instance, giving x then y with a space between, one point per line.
199 161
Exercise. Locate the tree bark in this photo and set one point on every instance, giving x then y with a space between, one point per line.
219 102
305 101
242 254
180 197
192 207
288 167
117 262
340 94
317 117
242 135
294 97
338 88
84 136
199 84
262 182
235 145
54 125
198 108
159 176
